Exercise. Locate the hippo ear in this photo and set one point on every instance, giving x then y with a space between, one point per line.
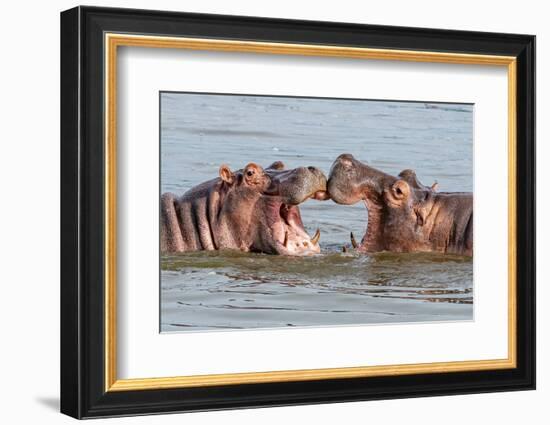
408 174
277 165
400 190
410 177
226 174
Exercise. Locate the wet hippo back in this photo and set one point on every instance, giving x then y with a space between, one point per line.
449 223
186 223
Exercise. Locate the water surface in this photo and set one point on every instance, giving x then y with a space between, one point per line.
232 290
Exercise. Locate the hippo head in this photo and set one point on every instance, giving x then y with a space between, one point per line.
397 206
259 208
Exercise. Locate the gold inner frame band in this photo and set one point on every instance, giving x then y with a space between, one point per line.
113 41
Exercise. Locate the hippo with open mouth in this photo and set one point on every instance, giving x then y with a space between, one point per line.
403 214
252 209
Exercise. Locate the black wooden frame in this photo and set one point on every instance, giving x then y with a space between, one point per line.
82 214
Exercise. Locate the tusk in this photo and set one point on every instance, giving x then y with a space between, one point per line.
353 241
316 237
434 186
286 239
344 249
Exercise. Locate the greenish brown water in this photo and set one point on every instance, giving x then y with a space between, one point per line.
234 290
218 290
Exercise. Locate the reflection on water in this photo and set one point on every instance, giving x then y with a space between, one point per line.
229 290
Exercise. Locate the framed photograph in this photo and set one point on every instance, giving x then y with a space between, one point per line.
261 212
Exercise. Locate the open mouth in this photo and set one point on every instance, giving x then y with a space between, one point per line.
295 240
289 234
372 240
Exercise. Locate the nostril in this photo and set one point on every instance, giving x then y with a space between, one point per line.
311 169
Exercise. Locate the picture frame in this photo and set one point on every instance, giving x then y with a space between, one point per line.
90 40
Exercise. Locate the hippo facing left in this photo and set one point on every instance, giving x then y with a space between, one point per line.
403 214
252 210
